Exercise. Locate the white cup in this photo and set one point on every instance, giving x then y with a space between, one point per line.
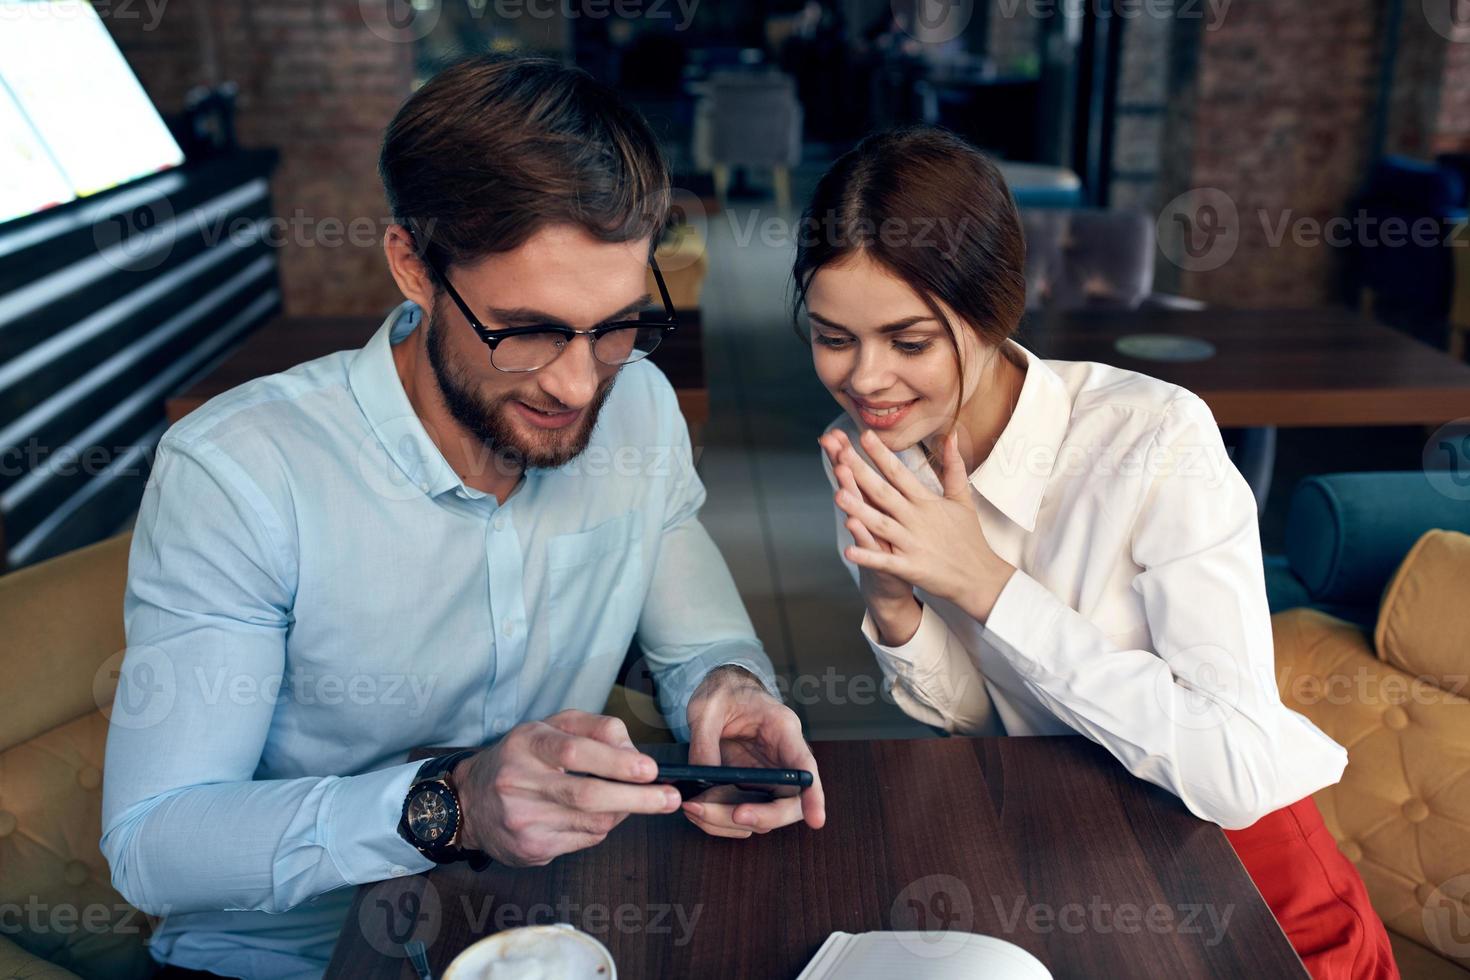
554 952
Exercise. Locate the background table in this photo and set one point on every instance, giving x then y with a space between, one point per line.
290 340
1277 367
1045 842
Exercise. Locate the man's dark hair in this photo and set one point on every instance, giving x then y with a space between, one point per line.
492 149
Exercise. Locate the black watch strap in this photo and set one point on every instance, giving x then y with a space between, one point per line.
439 769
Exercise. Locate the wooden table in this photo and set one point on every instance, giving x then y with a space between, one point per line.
1045 842
1282 368
287 341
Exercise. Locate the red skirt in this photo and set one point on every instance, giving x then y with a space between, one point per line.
1315 893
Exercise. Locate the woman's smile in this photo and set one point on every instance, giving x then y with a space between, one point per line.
882 415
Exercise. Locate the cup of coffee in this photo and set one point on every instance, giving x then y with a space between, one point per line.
554 952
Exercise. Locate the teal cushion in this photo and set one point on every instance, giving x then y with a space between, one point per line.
1347 532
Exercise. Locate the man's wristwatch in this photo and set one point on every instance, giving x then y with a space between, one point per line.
432 818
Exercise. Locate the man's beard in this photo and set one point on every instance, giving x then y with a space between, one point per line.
486 418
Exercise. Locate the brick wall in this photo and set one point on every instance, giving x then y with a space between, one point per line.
1282 109
1452 122
318 83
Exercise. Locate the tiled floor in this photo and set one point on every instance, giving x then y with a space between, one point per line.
769 507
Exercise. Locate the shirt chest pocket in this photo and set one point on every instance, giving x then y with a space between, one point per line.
596 589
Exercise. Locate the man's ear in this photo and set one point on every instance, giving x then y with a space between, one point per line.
408 270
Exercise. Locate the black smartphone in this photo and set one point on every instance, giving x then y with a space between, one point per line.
692 780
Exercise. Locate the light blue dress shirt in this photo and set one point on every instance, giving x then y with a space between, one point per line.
313 592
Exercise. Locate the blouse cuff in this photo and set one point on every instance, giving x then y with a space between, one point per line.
1023 624
922 655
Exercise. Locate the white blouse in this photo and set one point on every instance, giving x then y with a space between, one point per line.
1137 615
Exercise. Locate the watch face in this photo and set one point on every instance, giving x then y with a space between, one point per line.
432 815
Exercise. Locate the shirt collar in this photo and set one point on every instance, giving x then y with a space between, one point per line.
379 392
1014 475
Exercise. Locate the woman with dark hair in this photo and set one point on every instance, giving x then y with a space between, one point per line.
1049 547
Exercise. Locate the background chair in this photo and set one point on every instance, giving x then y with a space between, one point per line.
1395 695
1093 259
748 119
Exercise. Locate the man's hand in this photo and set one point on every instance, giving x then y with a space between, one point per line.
733 721
522 808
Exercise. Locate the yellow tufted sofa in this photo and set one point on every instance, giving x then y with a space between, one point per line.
61 638
1398 701
61 630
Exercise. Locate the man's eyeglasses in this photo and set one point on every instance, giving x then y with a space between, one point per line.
533 347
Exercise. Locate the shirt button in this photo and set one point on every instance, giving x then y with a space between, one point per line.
510 629
424 487
398 871
500 524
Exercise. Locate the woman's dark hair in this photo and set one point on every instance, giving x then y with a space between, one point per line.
492 149
935 212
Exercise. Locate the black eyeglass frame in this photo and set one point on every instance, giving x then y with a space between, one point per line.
492 338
